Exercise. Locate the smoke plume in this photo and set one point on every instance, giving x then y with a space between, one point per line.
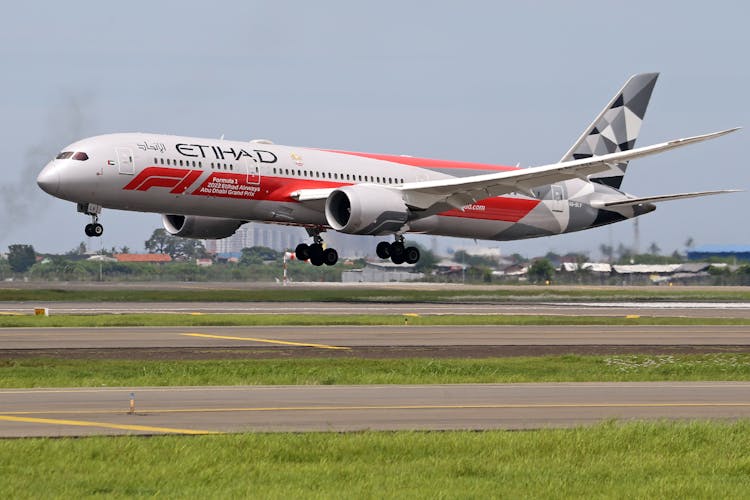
69 119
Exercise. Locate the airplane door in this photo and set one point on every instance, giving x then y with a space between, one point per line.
250 166
125 163
557 199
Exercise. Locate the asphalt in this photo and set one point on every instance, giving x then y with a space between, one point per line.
338 337
191 410
686 309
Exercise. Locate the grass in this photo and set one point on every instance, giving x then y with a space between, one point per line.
53 372
188 320
634 460
445 293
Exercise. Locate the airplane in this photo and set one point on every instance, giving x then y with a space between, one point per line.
208 188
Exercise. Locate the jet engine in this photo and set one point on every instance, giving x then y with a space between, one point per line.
366 210
191 226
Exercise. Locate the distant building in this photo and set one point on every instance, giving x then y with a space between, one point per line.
257 234
159 258
381 272
705 252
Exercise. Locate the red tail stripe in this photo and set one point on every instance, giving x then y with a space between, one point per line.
426 162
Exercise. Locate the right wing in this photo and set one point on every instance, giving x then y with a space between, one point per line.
459 192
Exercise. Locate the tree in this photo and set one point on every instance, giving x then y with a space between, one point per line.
159 242
21 257
178 248
541 271
257 255
654 249
607 251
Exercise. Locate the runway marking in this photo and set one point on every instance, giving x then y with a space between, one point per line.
106 425
267 341
525 385
372 407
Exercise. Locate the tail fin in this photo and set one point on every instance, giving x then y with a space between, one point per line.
616 128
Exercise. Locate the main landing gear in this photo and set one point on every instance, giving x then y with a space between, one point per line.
315 253
94 229
397 252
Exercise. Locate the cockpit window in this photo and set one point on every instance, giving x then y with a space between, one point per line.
80 156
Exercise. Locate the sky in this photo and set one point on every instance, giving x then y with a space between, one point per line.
492 82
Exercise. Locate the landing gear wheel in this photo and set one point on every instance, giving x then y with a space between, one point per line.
330 256
383 250
397 259
411 255
97 230
397 249
89 230
302 252
316 254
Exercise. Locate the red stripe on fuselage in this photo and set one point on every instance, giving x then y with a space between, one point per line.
426 162
157 182
187 182
149 172
502 209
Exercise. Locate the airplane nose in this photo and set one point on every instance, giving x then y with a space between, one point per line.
49 180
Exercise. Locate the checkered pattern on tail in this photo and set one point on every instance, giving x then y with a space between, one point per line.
616 128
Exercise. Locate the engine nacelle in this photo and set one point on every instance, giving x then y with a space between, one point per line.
366 210
192 226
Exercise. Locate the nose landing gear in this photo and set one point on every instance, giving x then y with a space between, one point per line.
397 252
94 229
315 253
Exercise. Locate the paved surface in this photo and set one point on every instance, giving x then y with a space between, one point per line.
337 337
185 410
689 309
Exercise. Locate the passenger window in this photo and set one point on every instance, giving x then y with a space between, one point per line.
161 160
156 160
167 161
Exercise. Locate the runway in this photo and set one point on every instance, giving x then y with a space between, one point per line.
687 309
236 342
198 410
334 337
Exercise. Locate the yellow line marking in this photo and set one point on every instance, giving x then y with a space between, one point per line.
267 341
392 407
81 423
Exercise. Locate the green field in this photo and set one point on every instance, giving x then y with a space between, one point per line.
195 319
49 372
444 293
611 460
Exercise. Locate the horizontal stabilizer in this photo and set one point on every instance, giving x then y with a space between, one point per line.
656 199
